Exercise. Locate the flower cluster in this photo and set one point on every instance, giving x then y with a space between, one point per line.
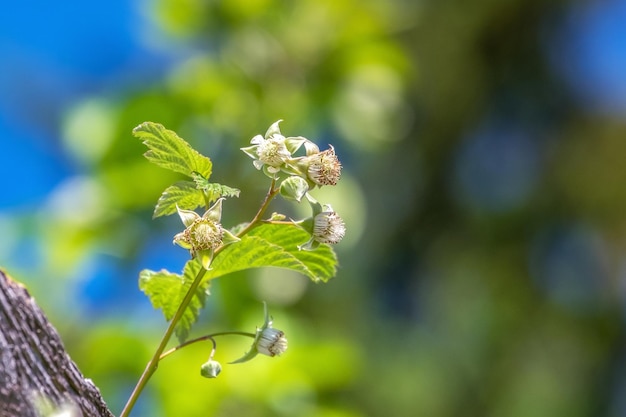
274 153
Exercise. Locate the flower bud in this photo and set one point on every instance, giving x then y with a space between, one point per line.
272 342
324 167
294 188
210 369
203 234
328 227
267 340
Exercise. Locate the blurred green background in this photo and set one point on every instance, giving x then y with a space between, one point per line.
484 270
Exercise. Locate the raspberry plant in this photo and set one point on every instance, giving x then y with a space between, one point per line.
293 166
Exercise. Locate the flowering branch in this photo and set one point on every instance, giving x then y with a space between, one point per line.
205 237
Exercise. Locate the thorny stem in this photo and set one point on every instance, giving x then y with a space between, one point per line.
153 364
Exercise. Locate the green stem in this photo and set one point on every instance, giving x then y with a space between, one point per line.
154 362
285 222
200 339
271 193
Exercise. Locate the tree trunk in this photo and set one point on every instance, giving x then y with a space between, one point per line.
33 361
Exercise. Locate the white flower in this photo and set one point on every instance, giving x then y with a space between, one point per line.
324 168
267 340
270 152
202 235
328 227
272 342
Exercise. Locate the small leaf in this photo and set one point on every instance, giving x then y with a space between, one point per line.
182 193
169 151
166 291
214 191
275 245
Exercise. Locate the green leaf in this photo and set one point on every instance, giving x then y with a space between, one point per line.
183 193
214 191
169 151
166 291
277 246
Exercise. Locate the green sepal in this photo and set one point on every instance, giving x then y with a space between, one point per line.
293 143
312 244
251 151
252 352
229 238
316 207
273 129
306 224
188 217
214 213
205 257
270 171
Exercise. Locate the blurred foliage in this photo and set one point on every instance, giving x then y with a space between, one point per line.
483 269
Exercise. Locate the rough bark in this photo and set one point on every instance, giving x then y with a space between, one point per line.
33 360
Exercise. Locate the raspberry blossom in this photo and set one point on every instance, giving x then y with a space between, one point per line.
272 152
203 235
272 342
269 152
328 227
325 226
324 167
267 341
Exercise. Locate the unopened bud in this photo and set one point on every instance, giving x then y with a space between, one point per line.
210 369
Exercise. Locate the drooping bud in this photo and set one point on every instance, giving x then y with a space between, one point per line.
210 369
272 342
